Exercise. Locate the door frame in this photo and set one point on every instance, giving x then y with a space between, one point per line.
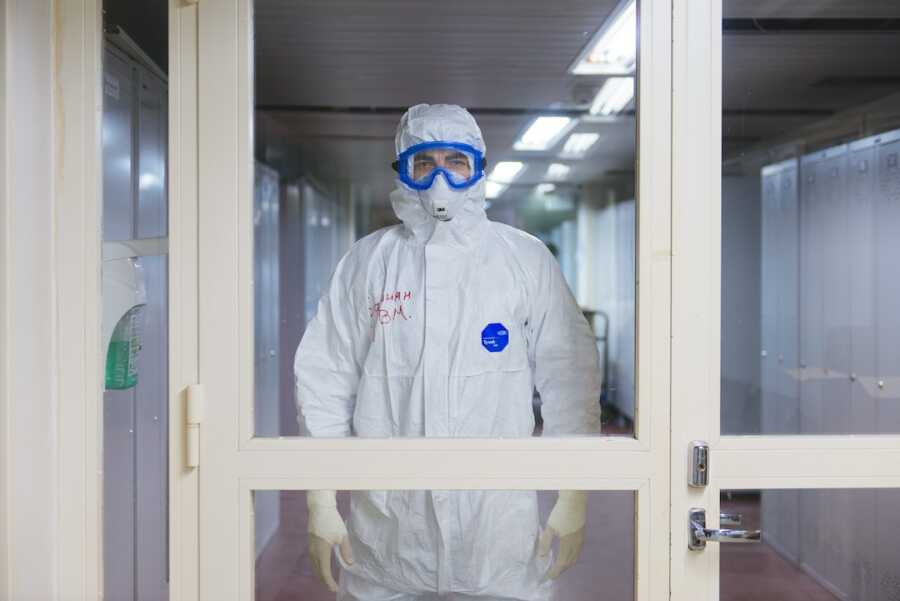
747 462
75 484
233 462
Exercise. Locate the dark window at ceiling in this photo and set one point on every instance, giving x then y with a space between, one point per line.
146 22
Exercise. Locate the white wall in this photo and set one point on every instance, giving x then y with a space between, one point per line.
606 279
30 399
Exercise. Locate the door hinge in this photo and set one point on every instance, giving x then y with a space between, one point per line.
193 420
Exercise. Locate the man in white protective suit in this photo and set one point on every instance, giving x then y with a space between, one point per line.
442 327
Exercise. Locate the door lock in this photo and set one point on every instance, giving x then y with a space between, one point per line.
699 464
699 534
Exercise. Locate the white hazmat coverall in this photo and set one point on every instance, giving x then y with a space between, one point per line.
399 347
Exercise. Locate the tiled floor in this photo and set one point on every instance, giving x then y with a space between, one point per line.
757 572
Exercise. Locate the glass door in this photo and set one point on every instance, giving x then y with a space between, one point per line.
785 362
448 385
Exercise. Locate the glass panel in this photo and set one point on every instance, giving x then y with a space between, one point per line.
490 550
450 327
810 218
817 545
135 301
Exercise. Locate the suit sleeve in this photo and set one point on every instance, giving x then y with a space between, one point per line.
329 359
563 354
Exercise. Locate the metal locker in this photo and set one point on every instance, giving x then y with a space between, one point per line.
151 438
860 506
779 289
863 547
836 293
786 301
152 208
742 325
118 134
768 256
887 551
887 211
135 445
118 405
860 228
811 292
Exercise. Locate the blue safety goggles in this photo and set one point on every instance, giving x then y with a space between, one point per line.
461 164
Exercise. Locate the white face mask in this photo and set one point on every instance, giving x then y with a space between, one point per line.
441 201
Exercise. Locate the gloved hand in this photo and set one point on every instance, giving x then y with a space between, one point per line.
326 529
567 522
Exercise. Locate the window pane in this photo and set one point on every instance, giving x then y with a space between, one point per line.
810 218
466 329
135 293
491 548
817 545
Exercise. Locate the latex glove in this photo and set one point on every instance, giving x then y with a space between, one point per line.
566 521
326 529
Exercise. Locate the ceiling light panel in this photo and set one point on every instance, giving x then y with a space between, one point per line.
613 50
614 96
505 172
578 144
543 133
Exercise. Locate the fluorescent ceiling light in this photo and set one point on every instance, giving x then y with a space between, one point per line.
557 171
544 188
506 171
543 133
493 189
578 144
613 50
614 96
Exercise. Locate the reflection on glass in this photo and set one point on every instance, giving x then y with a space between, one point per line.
559 146
817 545
135 288
810 220
475 545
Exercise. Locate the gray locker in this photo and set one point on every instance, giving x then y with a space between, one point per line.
135 425
846 234
741 318
886 549
835 274
888 283
811 292
863 553
118 130
770 185
787 328
779 300
860 227
152 207
151 435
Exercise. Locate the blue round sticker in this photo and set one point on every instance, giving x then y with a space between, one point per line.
494 337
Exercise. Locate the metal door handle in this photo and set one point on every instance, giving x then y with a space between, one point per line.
699 534
729 520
